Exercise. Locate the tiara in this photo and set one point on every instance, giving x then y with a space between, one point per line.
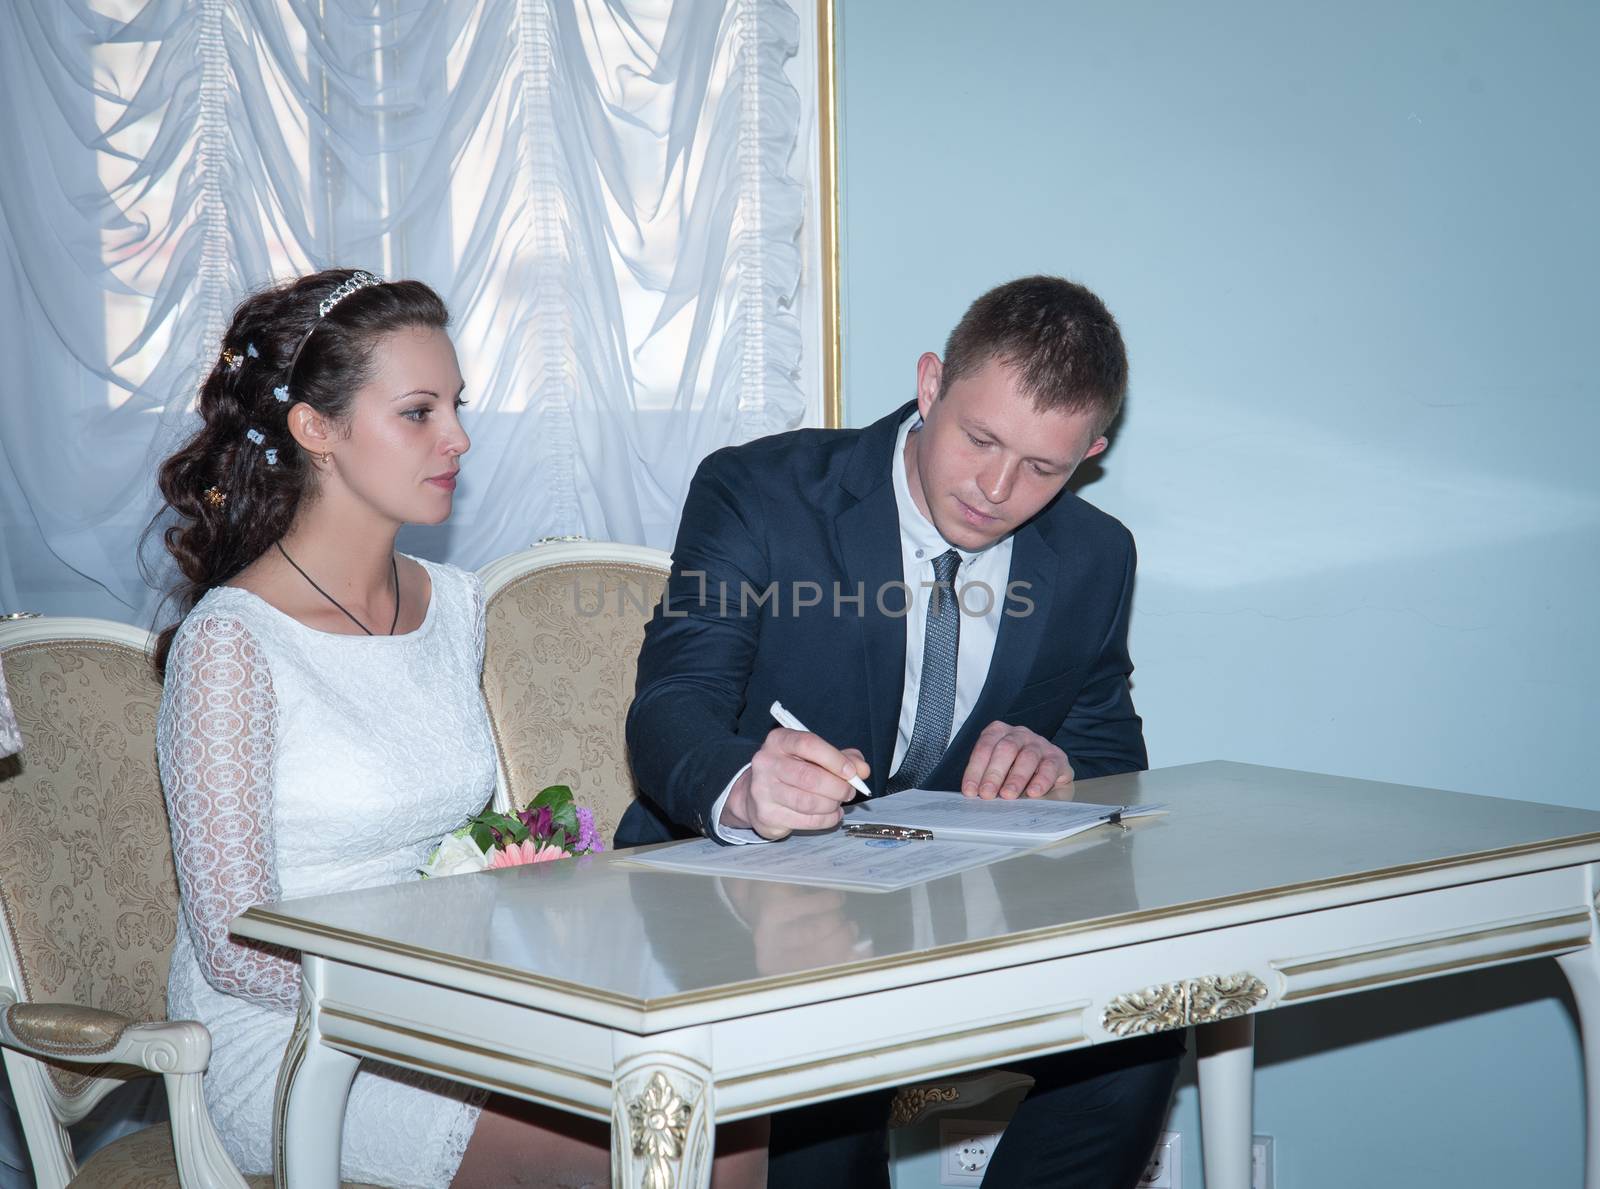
358 280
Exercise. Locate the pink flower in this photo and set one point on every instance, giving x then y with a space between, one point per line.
519 853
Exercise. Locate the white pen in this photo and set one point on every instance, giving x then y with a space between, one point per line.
794 724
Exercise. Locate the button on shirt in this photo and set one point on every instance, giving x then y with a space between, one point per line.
981 590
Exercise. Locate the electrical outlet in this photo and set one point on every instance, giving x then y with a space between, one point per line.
1261 1164
965 1146
1165 1170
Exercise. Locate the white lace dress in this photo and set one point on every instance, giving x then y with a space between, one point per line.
10 736
295 763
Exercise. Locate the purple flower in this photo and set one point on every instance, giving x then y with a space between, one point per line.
588 836
539 822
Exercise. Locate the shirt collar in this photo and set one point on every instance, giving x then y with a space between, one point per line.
916 528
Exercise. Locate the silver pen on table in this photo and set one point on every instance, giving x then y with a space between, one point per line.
794 724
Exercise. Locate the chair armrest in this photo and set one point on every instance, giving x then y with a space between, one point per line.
88 1036
178 1050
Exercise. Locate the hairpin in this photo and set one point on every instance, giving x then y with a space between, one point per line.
250 350
214 497
232 358
281 392
272 456
255 435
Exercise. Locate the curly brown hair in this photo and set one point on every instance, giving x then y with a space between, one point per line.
244 408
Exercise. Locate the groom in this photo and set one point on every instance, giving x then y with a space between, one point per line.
926 596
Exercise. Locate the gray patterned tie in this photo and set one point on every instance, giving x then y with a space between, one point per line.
936 695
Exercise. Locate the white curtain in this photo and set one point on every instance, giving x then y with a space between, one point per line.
606 193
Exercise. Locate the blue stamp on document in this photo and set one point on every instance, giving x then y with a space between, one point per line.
887 843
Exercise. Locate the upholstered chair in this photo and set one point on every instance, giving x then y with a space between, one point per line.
565 620
89 912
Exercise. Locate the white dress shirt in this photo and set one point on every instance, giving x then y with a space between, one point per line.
981 590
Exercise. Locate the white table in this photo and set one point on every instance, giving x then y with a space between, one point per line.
634 995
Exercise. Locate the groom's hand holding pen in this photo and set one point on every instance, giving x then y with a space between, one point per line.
797 781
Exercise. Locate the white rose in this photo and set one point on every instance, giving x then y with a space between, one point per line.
457 853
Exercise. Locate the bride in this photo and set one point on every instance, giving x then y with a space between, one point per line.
322 725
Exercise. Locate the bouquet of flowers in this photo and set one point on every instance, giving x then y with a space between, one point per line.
553 826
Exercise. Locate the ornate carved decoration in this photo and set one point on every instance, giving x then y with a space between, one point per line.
1155 1009
658 1126
911 1101
1224 996
1166 1006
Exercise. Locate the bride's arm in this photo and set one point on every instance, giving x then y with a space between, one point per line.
216 741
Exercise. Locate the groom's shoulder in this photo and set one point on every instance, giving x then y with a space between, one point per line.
797 457
1077 528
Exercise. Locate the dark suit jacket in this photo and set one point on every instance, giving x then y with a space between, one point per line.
818 507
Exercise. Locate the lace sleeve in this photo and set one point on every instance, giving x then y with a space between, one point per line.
216 741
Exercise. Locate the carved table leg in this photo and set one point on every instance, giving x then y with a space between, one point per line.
308 1113
1226 1052
1582 968
662 1119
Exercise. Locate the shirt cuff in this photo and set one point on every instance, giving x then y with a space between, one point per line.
732 834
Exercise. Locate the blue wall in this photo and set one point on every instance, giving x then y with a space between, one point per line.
1353 250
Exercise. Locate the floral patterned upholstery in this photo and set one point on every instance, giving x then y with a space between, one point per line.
562 647
143 1160
86 878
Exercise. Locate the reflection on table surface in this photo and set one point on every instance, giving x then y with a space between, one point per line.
1233 831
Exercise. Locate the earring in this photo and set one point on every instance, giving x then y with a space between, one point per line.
325 457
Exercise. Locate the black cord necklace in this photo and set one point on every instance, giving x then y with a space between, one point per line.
394 571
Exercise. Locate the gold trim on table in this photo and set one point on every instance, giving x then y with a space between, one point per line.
735 991
294 1055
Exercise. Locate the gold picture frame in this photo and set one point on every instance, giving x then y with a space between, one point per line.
832 361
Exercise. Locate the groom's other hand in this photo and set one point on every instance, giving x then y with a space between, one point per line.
797 781
1013 762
